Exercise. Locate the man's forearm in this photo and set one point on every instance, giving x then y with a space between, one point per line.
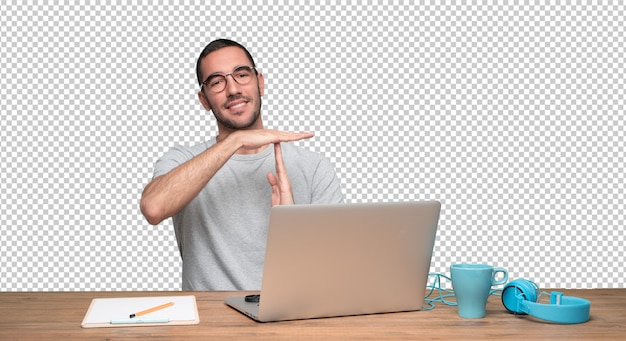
167 194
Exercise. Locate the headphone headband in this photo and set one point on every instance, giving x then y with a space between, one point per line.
520 296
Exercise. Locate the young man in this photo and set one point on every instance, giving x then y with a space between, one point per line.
219 192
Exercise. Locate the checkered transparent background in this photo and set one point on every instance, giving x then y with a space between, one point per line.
511 115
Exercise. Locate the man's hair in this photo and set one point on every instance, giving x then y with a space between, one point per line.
216 45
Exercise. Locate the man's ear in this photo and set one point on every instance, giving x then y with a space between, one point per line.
204 101
261 80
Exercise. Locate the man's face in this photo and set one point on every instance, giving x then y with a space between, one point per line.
237 106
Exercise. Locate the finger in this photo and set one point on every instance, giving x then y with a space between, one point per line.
284 184
281 171
271 178
278 155
275 199
251 139
287 136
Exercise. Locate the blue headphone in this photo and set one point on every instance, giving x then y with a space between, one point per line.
520 297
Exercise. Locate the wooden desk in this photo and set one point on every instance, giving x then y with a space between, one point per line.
57 316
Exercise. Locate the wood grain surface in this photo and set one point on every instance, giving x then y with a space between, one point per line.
58 315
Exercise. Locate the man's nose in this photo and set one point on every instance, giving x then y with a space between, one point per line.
231 85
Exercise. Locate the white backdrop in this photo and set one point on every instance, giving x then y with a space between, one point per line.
511 115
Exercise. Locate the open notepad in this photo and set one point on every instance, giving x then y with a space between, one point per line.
115 312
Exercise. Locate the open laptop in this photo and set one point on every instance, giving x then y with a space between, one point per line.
344 259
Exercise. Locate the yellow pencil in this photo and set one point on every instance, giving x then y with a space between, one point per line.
148 311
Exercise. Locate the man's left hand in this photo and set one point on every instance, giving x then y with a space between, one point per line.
281 186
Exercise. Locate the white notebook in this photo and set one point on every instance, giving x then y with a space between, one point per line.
115 312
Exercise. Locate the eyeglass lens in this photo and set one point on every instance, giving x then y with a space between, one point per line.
217 83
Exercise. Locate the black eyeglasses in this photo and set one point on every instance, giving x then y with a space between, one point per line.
216 82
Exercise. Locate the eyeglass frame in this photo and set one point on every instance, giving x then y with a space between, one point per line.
225 75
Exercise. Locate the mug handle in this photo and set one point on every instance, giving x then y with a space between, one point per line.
504 279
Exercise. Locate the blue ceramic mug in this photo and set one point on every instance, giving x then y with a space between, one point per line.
471 284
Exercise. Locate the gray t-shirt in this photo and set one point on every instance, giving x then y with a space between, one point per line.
222 232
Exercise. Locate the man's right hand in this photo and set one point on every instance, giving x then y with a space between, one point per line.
251 140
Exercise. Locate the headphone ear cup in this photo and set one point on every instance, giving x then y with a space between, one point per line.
516 292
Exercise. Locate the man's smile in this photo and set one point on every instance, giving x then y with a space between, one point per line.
236 104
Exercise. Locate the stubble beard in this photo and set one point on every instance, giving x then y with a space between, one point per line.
234 125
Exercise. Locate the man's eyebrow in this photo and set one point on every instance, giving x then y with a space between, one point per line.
222 73
215 74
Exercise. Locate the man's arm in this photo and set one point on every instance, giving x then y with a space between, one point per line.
167 194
